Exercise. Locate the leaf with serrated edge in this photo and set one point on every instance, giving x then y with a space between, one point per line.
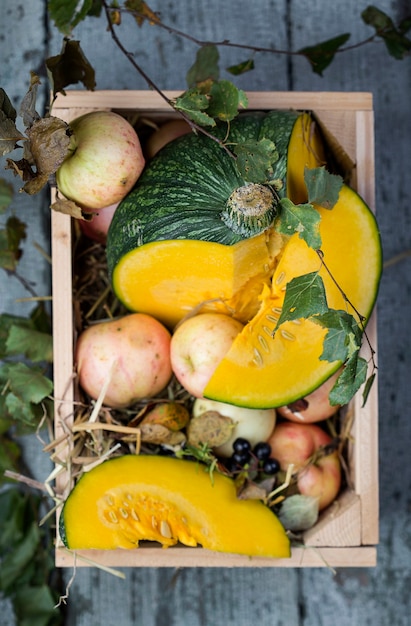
343 337
255 159
27 383
323 188
304 297
224 101
350 380
35 345
303 219
205 66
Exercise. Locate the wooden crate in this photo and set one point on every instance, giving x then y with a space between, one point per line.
347 532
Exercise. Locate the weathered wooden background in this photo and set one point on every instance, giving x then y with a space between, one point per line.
379 596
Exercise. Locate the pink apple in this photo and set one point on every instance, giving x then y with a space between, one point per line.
130 355
197 347
313 408
105 160
164 134
96 227
293 443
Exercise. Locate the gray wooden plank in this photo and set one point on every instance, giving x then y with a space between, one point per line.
185 597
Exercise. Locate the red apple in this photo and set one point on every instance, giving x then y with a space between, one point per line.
295 443
130 355
313 408
104 161
197 347
164 134
96 228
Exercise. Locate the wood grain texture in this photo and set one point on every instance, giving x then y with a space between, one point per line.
289 597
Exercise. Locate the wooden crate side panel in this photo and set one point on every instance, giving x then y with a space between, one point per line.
152 101
193 557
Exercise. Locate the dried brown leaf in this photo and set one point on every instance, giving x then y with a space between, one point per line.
143 10
27 110
68 207
9 134
158 434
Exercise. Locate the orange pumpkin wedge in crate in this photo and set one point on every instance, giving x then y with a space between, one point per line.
134 498
265 369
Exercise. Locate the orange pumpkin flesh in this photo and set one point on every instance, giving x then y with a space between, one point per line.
261 370
134 498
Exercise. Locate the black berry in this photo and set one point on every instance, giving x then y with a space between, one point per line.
241 445
271 466
241 458
262 450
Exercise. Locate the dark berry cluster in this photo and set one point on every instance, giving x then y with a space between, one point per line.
258 457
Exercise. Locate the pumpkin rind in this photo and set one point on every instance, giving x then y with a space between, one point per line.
261 370
134 498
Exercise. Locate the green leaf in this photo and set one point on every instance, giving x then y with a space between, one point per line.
28 384
367 388
350 380
304 297
303 219
323 188
194 104
343 338
6 195
398 45
225 100
299 512
10 239
205 67
66 14
255 160
35 605
321 55
33 344
9 457
15 562
13 504
69 68
241 68
6 322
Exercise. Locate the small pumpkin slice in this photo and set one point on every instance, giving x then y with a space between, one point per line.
261 370
134 498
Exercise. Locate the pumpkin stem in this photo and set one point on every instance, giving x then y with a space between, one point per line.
250 209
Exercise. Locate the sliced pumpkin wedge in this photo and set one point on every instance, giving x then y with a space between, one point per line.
134 498
263 369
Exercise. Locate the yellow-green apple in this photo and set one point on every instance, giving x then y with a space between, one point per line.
255 425
96 227
299 444
198 345
314 407
164 134
129 356
104 161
